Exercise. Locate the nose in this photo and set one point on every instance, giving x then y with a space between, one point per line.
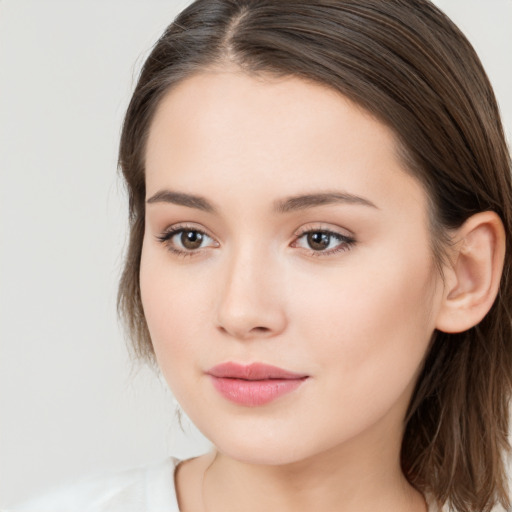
250 299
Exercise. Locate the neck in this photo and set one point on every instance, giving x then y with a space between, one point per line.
335 481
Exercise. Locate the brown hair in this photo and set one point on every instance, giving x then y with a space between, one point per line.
406 63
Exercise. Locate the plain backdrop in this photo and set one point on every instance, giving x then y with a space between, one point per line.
71 402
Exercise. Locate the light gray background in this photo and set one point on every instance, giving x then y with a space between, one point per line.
71 403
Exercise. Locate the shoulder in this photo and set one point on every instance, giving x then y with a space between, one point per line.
148 488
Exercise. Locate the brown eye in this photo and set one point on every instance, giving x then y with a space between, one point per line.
318 241
191 239
186 241
323 242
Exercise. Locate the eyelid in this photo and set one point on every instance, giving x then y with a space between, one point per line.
327 228
185 226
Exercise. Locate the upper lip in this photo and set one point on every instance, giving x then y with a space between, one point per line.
254 371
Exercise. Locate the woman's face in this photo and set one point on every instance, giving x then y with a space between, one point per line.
282 229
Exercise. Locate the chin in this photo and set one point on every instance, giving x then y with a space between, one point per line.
272 446
279 454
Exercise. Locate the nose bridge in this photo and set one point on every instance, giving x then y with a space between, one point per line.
249 300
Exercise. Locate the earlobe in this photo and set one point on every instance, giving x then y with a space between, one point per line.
474 273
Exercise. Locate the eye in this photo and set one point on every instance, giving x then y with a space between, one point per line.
323 242
185 241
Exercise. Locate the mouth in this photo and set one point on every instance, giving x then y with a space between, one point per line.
255 384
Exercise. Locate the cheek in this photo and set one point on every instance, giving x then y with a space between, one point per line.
169 302
177 301
371 324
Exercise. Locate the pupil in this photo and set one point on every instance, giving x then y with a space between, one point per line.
191 239
318 241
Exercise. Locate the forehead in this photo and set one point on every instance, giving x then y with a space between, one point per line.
224 129
247 110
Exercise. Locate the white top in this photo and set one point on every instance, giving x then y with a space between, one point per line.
144 489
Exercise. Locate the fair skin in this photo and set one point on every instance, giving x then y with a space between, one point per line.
352 306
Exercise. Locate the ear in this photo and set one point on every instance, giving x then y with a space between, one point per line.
472 278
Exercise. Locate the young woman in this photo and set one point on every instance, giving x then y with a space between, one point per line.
319 260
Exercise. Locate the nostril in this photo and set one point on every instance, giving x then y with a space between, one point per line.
260 329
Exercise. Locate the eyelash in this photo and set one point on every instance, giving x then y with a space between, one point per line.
346 242
166 236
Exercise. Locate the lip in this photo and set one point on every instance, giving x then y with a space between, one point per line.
254 384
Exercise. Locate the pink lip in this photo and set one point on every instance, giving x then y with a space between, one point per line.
254 384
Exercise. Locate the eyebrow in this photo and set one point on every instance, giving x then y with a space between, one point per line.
302 202
290 204
182 199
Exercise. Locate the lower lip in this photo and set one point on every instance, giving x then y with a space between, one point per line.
252 393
